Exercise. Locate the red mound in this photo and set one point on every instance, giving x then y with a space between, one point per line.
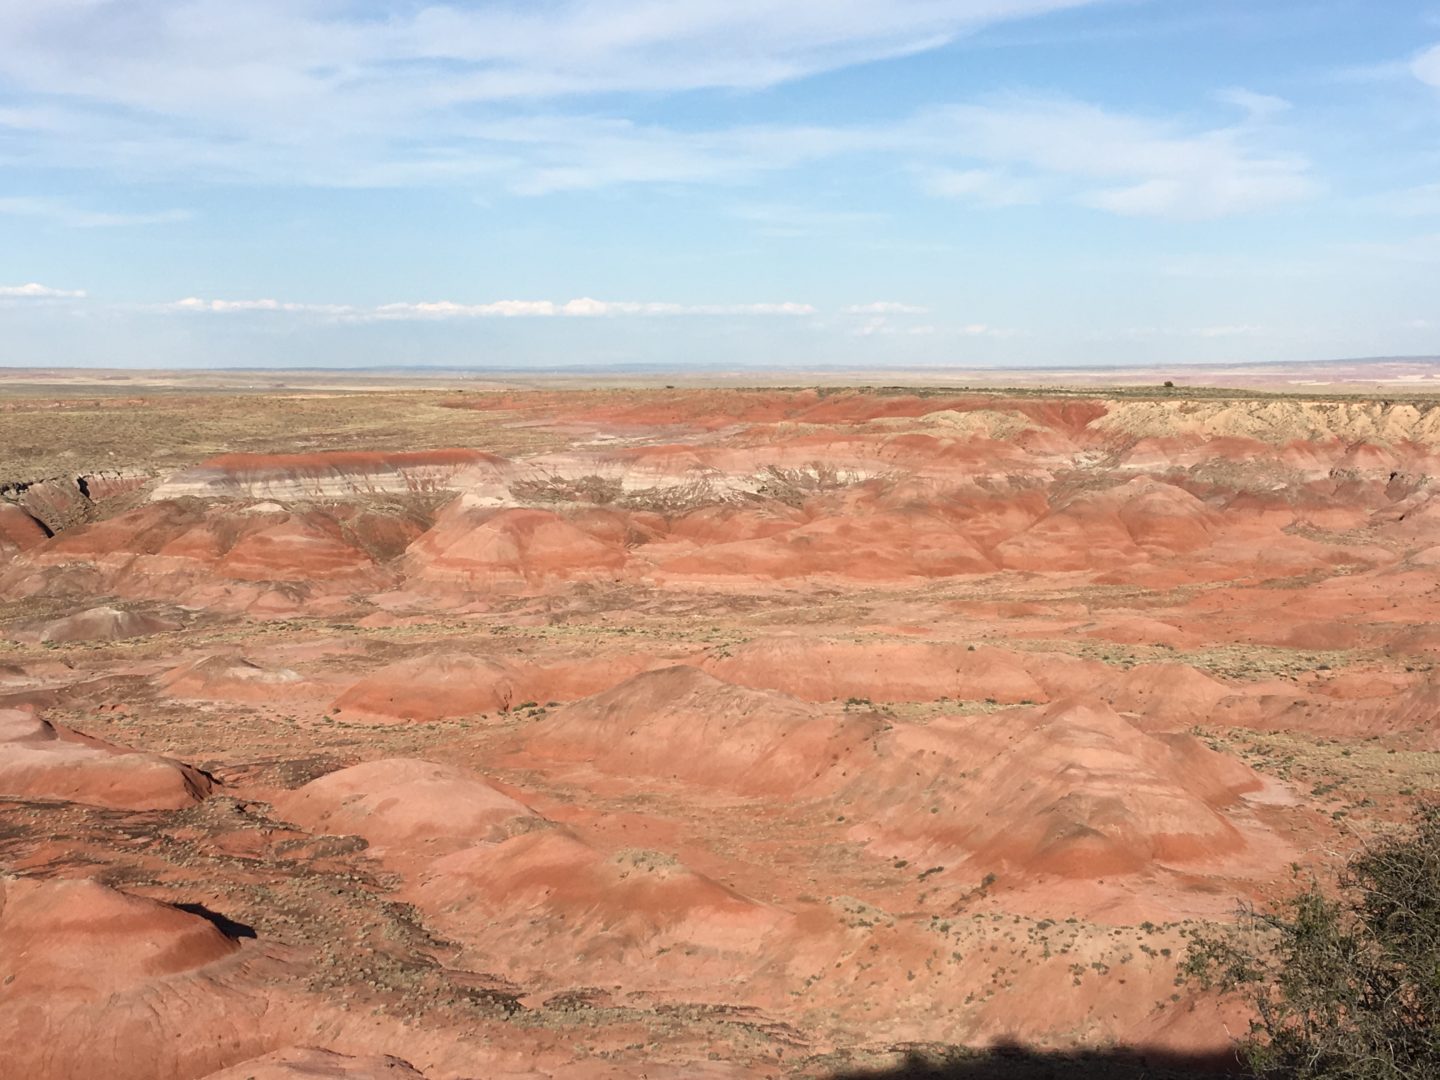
228 678
1074 790
186 551
620 915
511 549
682 724
437 686
39 760
1167 694
103 983
1140 519
105 624
288 546
883 547
409 805
434 687
77 936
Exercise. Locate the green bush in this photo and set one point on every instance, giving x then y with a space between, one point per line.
1343 987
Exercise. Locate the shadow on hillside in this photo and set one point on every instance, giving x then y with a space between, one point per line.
1014 1062
227 926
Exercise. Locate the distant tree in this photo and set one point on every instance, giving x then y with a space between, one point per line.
1344 987
1169 384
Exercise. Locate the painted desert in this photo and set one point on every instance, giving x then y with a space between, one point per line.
540 732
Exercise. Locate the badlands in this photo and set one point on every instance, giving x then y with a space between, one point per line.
716 733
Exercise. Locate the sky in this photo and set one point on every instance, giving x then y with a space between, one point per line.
717 183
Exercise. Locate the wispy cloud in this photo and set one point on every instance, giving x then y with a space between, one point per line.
787 220
508 98
390 91
985 187
63 213
441 310
582 307
230 307
1257 105
881 326
237 63
1124 164
36 291
885 307
1426 66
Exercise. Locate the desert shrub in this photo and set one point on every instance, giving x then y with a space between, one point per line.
1345 985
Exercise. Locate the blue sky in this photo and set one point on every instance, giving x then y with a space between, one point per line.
717 182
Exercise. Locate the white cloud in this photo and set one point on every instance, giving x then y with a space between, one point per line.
64 214
785 220
1258 106
1426 66
1202 197
390 93
885 307
387 91
880 325
231 307
1114 161
35 291
277 60
987 187
447 309
437 310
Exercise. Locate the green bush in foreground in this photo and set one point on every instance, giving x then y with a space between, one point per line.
1346 986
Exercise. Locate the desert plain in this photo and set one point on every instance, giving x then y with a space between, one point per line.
546 732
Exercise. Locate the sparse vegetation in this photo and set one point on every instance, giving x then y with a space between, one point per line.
1345 986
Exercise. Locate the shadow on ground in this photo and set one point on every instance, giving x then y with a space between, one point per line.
1014 1062
227 926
